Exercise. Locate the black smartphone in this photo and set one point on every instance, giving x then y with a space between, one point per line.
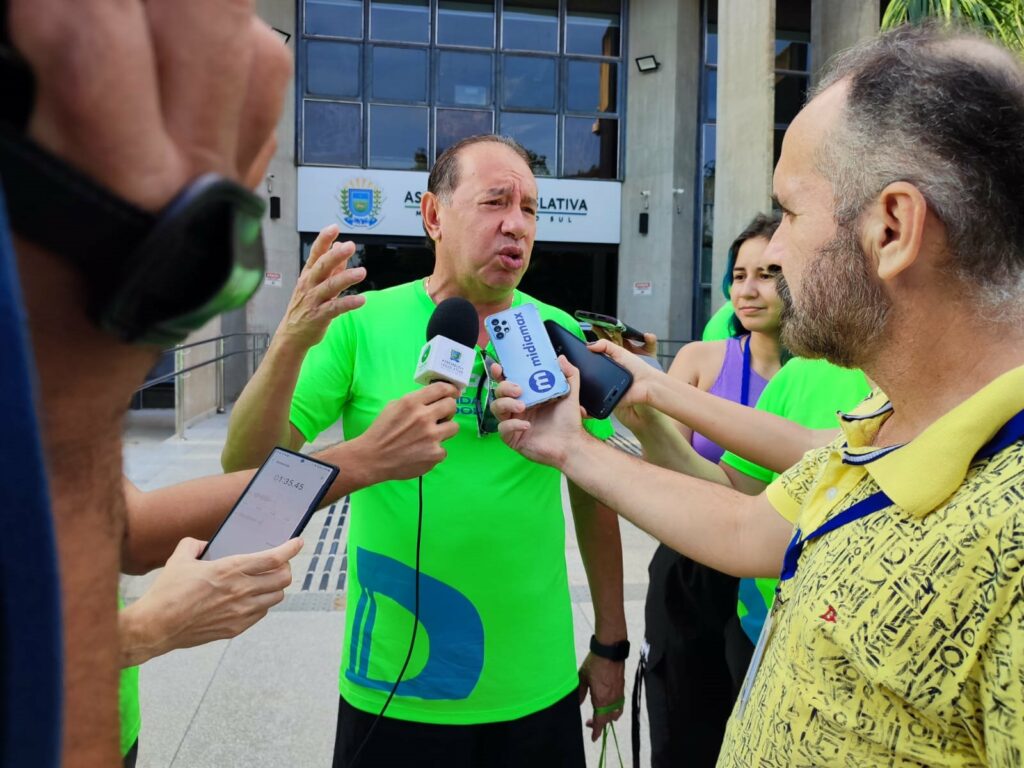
609 323
275 506
603 382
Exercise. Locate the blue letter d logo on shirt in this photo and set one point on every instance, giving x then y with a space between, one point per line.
450 621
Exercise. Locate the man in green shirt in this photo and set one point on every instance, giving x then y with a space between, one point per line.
492 676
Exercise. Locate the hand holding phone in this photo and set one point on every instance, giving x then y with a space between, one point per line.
603 382
526 355
610 323
275 506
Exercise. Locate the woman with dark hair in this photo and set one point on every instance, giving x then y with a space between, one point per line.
695 647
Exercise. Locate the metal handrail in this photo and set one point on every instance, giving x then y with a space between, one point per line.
191 344
173 374
260 345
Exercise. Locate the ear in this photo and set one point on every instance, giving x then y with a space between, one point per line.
430 212
892 231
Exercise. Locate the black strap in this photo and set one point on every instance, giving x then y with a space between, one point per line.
60 209
638 687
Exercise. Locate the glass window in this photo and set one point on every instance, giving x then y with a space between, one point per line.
791 55
708 150
707 201
398 137
529 82
790 95
592 27
341 18
591 148
592 86
464 22
407 21
399 74
332 69
332 133
711 45
456 124
777 145
530 25
710 95
537 135
464 79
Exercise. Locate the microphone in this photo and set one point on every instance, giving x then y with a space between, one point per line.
449 352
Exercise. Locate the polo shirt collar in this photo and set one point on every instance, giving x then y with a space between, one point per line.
921 474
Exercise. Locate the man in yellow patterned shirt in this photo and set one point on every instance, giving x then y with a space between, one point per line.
897 638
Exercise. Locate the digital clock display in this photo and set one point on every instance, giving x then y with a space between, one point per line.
272 507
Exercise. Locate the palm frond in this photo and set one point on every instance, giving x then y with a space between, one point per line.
1002 20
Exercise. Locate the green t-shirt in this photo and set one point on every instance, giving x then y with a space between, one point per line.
719 326
495 640
128 702
808 392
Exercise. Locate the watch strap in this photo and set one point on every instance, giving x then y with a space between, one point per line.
614 652
94 229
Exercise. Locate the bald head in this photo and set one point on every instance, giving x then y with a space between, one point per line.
944 110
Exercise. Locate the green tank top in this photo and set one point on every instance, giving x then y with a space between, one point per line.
809 392
128 702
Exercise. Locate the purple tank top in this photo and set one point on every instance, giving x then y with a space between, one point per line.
729 385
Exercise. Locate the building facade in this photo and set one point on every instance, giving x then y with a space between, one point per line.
653 127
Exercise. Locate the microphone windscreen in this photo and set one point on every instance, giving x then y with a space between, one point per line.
455 318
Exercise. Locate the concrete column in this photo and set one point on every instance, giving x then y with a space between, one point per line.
280 236
746 108
837 25
200 386
661 157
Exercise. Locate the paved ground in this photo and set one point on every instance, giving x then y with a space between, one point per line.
268 699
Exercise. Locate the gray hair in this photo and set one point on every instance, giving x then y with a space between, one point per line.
444 176
942 109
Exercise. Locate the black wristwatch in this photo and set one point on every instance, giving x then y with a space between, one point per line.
615 652
150 278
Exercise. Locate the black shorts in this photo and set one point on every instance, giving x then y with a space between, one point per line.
128 761
697 659
551 737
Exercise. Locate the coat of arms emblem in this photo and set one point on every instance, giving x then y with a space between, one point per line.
360 201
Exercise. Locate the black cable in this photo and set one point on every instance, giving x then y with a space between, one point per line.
412 640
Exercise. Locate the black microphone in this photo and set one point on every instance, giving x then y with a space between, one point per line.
449 352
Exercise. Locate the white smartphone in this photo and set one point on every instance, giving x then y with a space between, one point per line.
275 506
526 355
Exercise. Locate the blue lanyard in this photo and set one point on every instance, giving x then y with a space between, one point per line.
745 384
1008 434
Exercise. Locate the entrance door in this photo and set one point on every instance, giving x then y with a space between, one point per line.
567 276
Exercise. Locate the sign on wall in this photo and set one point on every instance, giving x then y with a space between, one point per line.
388 203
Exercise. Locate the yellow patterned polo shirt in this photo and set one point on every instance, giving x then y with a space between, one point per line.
900 639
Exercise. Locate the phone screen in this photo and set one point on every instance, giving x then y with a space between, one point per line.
274 507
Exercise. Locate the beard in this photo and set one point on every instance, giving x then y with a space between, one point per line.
843 312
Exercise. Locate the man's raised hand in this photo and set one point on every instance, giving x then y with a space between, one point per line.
315 301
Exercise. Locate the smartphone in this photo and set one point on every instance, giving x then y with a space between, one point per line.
603 382
609 323
526 355
275 506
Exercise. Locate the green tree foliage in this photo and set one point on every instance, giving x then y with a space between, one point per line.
1002 20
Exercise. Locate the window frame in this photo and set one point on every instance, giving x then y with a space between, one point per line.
496 107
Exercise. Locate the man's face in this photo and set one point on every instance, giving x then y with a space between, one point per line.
833 304
488 227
